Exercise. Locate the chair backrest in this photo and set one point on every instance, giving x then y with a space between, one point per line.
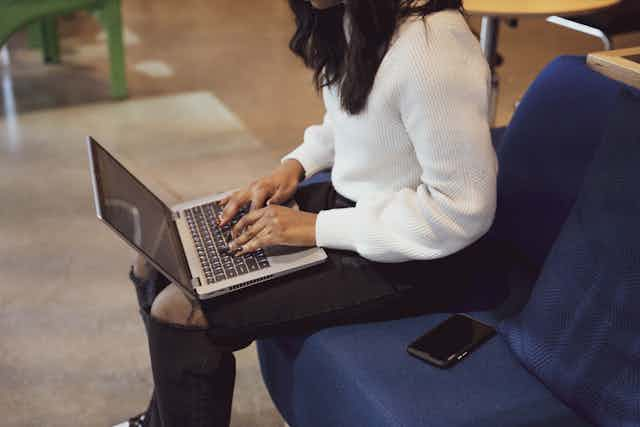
619 19
579 333
545 152
15 14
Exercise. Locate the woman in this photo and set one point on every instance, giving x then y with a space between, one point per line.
414 181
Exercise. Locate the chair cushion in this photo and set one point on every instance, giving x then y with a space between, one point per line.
545 152
361 375
322 176
580 331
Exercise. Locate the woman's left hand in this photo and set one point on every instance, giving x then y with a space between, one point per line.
273 225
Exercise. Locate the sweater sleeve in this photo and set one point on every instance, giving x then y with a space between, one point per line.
443 106
316 152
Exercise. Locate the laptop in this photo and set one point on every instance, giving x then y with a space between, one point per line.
184 242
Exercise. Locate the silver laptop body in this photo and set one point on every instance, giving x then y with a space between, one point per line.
183 242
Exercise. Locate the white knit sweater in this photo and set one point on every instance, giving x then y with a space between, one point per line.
419 160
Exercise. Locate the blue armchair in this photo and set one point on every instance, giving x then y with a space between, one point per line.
361 375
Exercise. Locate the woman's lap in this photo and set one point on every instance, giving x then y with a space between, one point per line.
335 292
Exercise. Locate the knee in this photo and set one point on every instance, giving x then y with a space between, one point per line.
141 268
173 306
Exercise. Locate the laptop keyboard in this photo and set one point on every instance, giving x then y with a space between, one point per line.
211 244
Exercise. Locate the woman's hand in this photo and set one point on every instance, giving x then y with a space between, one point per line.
273 225
274 189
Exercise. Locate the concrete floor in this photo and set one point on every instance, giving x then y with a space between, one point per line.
215 99
73 347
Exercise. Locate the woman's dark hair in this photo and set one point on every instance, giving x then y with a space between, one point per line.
321 42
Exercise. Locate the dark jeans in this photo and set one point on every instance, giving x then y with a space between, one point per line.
194 368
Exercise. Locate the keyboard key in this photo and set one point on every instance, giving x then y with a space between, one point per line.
211 245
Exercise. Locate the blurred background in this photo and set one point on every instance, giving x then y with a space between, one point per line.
201 96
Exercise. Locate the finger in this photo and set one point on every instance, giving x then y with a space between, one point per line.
262 240
249 233
258 198
246 221
278 198
223 201
233 206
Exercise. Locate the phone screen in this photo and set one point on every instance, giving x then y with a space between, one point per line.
451 340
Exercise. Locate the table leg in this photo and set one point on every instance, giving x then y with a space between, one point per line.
489 44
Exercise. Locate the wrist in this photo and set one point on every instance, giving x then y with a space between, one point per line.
294 169
311 231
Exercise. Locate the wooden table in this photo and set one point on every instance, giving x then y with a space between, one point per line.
622 65
507 8
492 10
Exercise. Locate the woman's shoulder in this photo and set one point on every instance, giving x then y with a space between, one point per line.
439 50
439 41
447 29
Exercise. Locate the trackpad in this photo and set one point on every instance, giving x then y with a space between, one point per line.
282 250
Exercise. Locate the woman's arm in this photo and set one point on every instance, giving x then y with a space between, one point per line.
316 152
312 156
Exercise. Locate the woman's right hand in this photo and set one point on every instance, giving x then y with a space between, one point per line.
275 189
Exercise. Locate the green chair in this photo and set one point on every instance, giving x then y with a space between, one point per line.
40 17
44 34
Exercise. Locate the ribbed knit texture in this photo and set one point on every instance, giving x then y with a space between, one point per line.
580 331
418 161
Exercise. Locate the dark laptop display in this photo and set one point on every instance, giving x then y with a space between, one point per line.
139 216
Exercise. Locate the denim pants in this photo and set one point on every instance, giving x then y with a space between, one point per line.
194 368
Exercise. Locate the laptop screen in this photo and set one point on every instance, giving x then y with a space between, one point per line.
137 214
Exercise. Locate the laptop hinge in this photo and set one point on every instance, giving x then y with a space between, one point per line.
175 216
195 282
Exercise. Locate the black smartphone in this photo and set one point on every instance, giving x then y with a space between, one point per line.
451 340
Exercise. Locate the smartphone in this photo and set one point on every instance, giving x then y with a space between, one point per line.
451 340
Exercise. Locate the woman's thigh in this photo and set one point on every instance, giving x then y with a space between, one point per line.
346 289
341 290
